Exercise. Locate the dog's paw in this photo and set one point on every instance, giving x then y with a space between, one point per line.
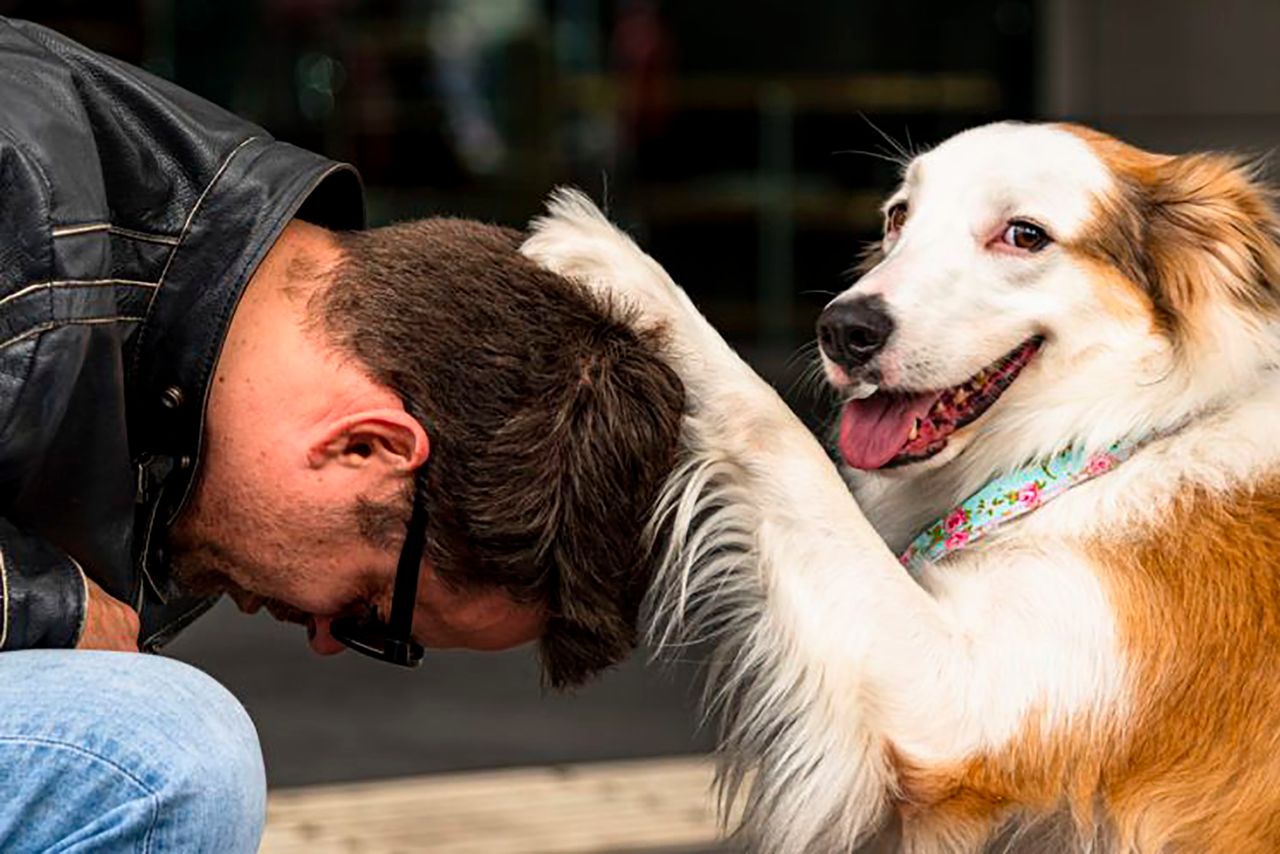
575 240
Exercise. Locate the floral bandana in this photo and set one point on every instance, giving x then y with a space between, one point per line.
1006 498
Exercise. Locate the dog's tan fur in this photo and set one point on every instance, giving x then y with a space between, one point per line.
1197 768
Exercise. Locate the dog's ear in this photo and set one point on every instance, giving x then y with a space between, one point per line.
1188 230
1211 232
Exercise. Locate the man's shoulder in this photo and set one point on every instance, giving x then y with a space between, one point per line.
102 165
112 144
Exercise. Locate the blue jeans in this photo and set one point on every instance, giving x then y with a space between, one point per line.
114 752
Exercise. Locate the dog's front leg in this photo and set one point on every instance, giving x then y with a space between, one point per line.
834 669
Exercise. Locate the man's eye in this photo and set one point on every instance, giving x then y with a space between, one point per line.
1026 236
895 218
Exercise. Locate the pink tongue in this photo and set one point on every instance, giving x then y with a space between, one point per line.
874 430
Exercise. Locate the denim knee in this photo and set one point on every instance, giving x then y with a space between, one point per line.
124 752
211 789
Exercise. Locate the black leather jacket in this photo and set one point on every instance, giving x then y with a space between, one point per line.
132 214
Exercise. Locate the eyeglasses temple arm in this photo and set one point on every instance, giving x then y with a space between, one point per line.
405 598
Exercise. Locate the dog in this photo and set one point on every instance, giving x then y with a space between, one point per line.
1080 335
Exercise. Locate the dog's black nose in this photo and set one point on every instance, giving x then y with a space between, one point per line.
851 332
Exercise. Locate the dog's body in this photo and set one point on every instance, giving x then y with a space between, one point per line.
1102 674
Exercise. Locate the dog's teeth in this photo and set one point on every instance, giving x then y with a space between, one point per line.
915 431
960 396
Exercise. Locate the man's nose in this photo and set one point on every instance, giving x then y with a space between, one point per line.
851 331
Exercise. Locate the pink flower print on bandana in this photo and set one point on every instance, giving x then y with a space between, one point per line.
1100 464
1006 498
1029 495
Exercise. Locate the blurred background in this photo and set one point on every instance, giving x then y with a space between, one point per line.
745 144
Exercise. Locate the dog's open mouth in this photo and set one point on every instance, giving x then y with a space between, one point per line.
892 428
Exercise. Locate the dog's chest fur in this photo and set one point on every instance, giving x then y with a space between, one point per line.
1181 538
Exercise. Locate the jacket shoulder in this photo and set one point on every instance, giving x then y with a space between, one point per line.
116 144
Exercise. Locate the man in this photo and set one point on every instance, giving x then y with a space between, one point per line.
210 382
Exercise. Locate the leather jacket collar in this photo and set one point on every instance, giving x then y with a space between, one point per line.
261 186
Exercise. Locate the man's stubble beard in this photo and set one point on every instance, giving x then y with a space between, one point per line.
231 540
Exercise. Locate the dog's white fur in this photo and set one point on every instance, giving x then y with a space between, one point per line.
832 664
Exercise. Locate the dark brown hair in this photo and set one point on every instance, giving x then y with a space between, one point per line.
553 422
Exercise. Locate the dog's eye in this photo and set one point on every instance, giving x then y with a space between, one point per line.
1026 236
895 218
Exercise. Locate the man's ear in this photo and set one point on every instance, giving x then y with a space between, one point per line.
391 438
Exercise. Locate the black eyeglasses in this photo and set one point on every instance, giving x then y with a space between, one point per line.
393 641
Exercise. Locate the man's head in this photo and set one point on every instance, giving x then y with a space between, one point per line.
543 421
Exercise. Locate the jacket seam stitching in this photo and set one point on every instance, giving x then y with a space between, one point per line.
191 215
71 283
88 321
94 227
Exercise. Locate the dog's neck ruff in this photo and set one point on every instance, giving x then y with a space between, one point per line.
1009 497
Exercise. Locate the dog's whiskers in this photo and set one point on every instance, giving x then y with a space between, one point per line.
887 157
